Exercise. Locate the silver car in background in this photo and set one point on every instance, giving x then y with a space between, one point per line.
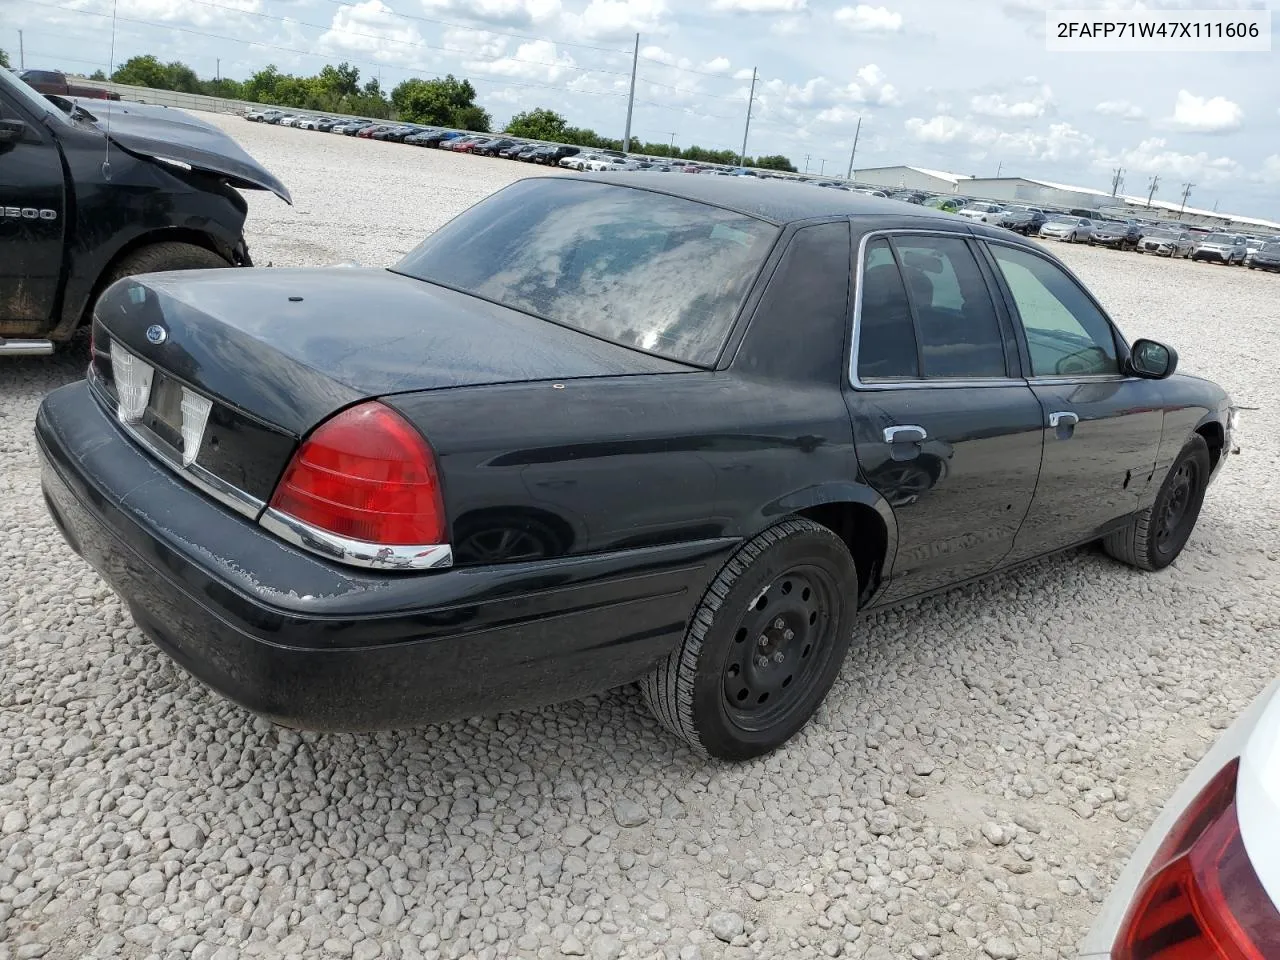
1228 248
1204 883
1166 242
1068 228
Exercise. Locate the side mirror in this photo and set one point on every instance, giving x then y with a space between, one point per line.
11 131
1152 360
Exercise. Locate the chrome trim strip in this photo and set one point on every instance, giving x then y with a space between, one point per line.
356 553
858 384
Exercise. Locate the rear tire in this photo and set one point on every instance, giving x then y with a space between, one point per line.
1156 536
773 628
169 255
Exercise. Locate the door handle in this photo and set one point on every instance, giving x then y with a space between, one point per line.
1063 418
905 434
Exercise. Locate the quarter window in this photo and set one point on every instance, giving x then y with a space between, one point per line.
1067 336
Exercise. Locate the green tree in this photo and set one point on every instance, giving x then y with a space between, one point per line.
96 75
4 59
538 124
775 162
446 102
143 71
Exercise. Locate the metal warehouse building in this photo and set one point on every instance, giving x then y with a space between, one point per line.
911 178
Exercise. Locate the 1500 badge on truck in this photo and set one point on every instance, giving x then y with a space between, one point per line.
84 203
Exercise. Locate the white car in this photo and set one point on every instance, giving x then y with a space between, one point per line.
611 164
288 120
1070 229
1253 245
309 123
261 116
982 212
578 161
1204 883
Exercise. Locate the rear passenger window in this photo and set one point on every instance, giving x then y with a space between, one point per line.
886 335
926 313
956 320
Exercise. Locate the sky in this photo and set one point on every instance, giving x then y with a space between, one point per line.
960 85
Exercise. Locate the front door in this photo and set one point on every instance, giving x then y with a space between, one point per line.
945 428
32 215
1101 428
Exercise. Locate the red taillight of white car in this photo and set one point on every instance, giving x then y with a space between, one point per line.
366 474
1201 898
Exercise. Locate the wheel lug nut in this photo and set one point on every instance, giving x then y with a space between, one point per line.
762 661
779 657
763 641
788 634
779 624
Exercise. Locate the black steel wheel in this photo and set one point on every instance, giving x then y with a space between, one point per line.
1157 535
764 645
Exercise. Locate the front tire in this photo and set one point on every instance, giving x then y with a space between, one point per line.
1156 536
764 645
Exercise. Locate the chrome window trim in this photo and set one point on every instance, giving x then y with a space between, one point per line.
228 495
355 553
913 383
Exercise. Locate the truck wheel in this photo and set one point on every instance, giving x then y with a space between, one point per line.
1155 537
763 647
168 255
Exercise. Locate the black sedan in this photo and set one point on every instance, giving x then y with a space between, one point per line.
594 432
1024 220
1267 258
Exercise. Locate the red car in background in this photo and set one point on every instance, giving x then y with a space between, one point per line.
467 144
368 132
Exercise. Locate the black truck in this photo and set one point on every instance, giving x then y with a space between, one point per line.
94 191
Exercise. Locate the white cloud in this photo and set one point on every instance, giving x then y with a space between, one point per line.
1122 109
1013 106
506 13
940 129
535 60
1205 114
717 65
1270 172
371 28
797 103
1154 156
1060 141
617 19
789 26
759 6
170 11
744 74
865 18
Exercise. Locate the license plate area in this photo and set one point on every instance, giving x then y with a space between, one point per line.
163 414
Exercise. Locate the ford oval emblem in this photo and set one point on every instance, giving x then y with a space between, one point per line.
157 334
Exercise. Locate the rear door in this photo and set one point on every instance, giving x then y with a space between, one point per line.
945 427
32 219
1101 428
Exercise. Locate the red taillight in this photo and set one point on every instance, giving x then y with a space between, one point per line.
366 475
1201 898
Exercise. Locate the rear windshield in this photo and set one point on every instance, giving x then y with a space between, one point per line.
1220 238
656 273
1271 248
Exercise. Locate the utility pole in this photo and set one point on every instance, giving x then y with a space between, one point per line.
1186 192
22 60
1117 178
751 99
217 73
673 141
999 167
1151 192
852 153
806 163
822 169
631 99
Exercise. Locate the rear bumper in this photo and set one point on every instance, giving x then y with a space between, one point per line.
314 645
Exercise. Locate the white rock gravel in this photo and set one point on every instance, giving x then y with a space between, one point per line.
973 784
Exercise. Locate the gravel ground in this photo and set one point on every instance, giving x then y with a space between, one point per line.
973 784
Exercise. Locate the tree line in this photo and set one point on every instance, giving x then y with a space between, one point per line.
443 101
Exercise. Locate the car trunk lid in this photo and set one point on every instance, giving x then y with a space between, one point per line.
276 352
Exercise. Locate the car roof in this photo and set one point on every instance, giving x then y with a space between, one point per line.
777 201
